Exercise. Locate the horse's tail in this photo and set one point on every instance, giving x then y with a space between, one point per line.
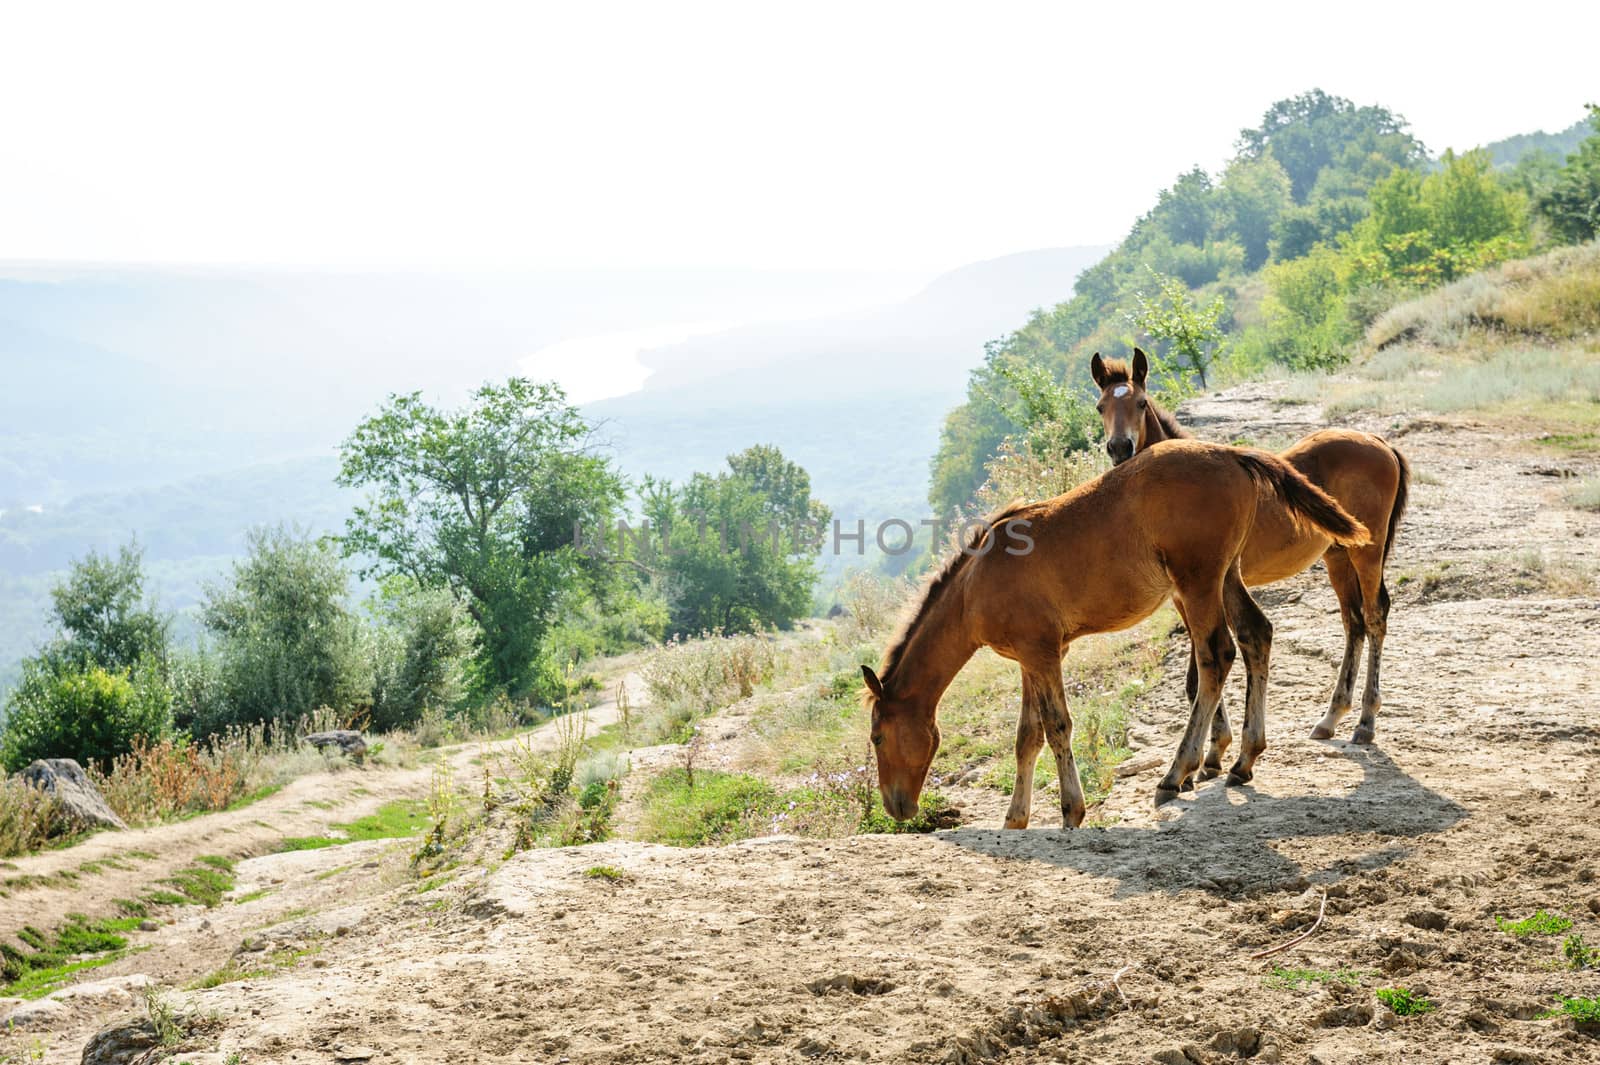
1307 504
1402 494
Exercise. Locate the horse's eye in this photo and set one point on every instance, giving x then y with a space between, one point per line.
877 739
1143 404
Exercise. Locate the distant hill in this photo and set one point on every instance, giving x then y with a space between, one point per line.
1508 152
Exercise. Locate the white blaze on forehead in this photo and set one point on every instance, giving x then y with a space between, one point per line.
1120 390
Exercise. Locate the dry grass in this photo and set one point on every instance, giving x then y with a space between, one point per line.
1554 296
28 817
1584 495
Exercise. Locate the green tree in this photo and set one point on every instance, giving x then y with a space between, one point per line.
103 615
1314 133
421 644
1255 193
90 714
286 639
1192 330
732 548
483 501
1572 203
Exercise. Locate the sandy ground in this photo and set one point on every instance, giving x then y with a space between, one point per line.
1125 943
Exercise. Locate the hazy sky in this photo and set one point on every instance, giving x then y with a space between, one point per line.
909 136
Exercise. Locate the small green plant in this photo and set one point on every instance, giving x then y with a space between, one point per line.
1585 1011
1404 1002
1579 954
1291 979
1542 923
169 1030
605 872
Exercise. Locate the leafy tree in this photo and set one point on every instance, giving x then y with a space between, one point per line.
1315 132
1308 321
483 501
1255 193
421 645
1572 203
732 547
90 714
1424 230
103 615
286 640
1192 330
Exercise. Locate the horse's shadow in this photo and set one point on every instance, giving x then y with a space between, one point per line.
1221 842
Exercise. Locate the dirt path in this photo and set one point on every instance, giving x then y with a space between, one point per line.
1480 798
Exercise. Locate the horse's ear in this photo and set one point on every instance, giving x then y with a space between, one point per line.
874 685
1097 368
1141 366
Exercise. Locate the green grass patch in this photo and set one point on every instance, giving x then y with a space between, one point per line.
329 874
1404 1002
396 820
1585 1011
251 896
201 885
51 958
1293 979
1579 954
1541 923
605 872
709 806
263 792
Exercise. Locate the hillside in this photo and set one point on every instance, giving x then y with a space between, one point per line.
1411 862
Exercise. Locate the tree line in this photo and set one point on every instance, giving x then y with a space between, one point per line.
484 592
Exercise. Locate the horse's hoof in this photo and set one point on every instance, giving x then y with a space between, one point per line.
1165 795
1363 735
1188 783
1322 732
1238 777
1015 823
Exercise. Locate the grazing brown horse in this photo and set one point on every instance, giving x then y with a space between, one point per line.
1369 479
1102 557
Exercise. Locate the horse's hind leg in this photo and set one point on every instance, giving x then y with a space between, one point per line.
1347 586
1221 734
1030 737
1254 633
1375 614
1214 650
1043 679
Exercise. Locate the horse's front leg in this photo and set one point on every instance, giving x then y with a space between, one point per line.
1044 679
1030 738
1214 652
1254 634
1221 734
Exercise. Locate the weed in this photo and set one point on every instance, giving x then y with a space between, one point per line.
1403 1002
1291 979
605 872
1540 924
169 1030
1585 495
251 896
1579 954
1585 1011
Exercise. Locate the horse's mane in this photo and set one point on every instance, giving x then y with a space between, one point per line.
937 585
1117 372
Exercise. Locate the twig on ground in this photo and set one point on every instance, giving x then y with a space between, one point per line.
1301 938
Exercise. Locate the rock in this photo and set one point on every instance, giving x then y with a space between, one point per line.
80 801
349 741
41 1013
129 1041
113 991
149 925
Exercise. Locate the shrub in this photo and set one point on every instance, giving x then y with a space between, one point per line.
873 604
28 817
90 714
710 672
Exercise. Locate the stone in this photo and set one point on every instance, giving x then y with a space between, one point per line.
350 742
41 1013
79 800
129 1041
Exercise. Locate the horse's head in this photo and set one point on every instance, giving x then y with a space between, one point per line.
1122 403
905 737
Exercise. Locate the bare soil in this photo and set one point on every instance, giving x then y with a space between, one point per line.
1124 943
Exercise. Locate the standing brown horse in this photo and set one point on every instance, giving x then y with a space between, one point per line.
1368 478
1103 557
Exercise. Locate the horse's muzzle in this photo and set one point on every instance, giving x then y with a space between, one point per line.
1120 448
900 807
